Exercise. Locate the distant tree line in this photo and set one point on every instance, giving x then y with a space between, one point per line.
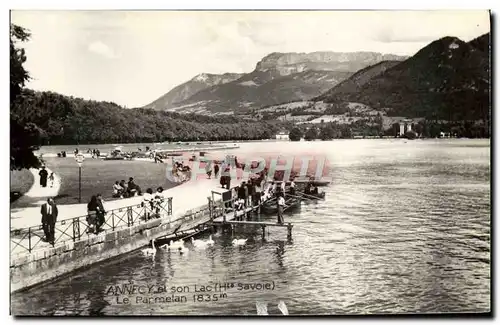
69 120
433 129
326 131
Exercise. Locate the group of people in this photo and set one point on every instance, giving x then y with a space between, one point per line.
180 172
95 152
153 202
212 166
122 189
258 190
44 175
311 189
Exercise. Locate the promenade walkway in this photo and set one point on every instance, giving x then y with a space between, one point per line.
37 195
185 196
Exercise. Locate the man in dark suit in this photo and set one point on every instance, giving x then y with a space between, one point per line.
43 177
49 218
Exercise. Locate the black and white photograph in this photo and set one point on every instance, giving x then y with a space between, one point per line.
250 162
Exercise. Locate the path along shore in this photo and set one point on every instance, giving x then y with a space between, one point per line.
182 197
25 211
37 195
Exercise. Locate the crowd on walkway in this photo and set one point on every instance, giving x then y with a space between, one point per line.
256 190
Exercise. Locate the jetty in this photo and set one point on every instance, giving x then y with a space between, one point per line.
188 209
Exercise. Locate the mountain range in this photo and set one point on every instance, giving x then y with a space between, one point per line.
447 79
277 78
191 87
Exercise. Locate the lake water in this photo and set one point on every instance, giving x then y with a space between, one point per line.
404 228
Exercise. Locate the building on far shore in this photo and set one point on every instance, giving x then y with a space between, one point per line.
282 136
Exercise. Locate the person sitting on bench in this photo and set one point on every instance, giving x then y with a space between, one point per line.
117 190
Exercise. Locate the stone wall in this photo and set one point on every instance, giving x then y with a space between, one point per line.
33 268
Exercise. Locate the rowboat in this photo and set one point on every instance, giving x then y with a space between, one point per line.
313 182
271 206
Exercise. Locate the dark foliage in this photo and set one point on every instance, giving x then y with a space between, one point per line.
24 136
295 134
69 120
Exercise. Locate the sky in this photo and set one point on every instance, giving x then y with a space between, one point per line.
133 57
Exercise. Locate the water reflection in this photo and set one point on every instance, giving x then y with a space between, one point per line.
404 228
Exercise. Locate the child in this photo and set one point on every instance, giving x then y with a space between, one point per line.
51 179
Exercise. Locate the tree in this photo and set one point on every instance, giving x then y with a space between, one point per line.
311 134
418 128
295 134
24 136
326 133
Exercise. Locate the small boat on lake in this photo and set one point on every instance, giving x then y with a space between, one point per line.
313 182
271 206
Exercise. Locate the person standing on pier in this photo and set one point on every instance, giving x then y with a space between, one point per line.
147 203
49 218
292 187
258 190
43 177
242 192
250 193
216 170
281 207
208 169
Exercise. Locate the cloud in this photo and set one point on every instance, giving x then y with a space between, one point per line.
102 49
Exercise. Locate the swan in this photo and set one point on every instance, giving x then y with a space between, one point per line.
261 308
239 242
176 244
282 307
198 243
150 251
210 241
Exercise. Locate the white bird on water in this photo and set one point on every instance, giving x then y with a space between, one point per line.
199 243
174 244
282 307
239 242
210 241
150 251
262 308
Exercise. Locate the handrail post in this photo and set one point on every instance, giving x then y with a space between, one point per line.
210 209
76 228
169 206
29 239
130 219
113 219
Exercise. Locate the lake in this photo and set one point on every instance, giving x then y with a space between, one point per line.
404 228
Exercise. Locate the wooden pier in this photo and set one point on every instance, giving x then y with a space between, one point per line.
236 217
263 225
221 212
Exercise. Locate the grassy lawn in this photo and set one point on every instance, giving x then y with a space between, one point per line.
98 176
20 181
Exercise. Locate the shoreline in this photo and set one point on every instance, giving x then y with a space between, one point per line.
172 150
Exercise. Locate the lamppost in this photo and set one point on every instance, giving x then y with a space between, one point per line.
79 160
